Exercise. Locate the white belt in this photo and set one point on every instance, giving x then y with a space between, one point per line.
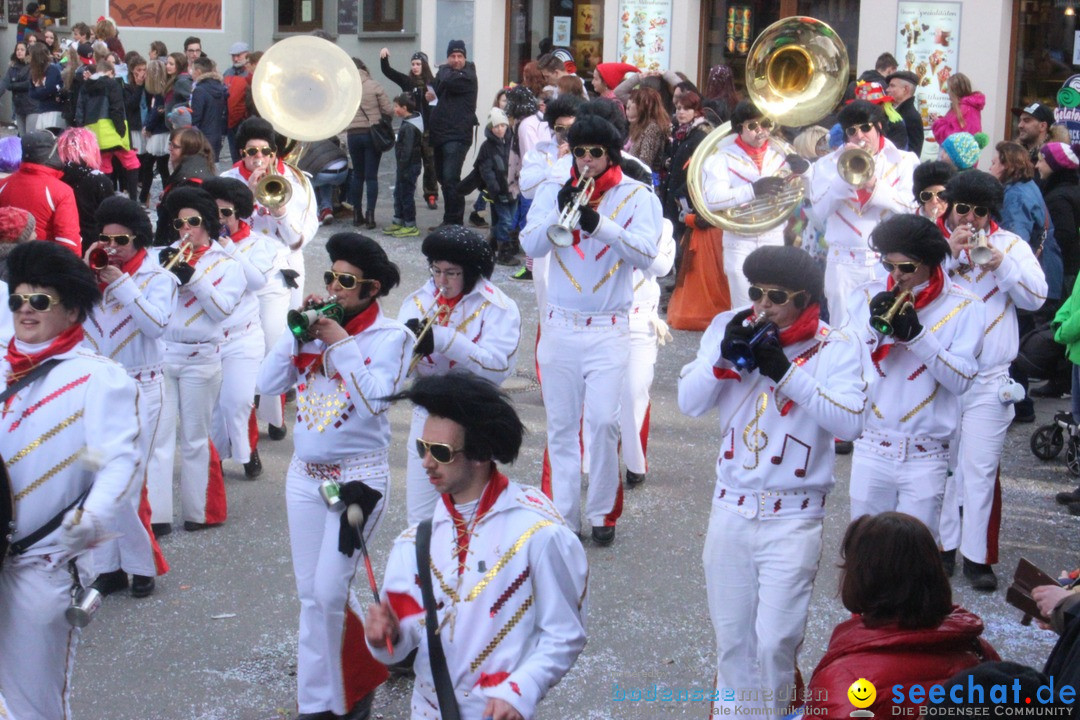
771 504
239 331
584 320
365 466
146 373
902 447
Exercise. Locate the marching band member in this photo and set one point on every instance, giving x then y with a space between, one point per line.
73 424
515 624
781 402
475 326
243 348
928 186
582 352
345 373
127 326
923 358
745 167
999 267
211 285
851 213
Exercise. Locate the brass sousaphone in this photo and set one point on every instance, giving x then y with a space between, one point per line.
796 73
309 89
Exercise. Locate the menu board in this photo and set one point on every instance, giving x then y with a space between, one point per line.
927 44
645 33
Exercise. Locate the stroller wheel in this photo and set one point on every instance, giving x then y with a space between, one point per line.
1072 456
1047 441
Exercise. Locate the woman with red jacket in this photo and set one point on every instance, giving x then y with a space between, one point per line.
965 113
905 629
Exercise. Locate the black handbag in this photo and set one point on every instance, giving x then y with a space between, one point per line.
382 132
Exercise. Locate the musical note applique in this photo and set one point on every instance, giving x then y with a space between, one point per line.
730 452
753 436
777 459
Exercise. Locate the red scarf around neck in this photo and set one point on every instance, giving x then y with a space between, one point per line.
929 293
279 169
804 327
130 267
494 488
756 154
241 233
21 363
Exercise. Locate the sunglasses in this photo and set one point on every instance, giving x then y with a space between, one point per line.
42 302
562 129
345 280
776 297
595 151
928 195
226 212
965 208
120 240
193 221
905 267
265 152
864 128
440 452
753 125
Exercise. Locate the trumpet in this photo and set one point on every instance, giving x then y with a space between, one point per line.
98 259
561 234
884 323
428 320
171 257
273 191
300 321
980 251
855 165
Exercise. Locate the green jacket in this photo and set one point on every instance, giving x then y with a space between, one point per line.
1067 324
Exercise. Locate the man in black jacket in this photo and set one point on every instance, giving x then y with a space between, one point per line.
452 122
901 88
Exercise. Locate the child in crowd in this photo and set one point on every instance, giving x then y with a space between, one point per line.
491 174
409 162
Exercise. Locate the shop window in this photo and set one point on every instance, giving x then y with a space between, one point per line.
56 11
1045 52
573 24
843 17
383 15
730 29
299 16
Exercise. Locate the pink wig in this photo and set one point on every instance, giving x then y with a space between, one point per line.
79 146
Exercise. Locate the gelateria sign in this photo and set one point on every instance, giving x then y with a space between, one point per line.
167 14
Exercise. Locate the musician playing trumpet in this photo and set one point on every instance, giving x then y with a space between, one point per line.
128 325
1008 278
470 325
924 335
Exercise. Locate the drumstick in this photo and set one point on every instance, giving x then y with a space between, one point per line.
355 516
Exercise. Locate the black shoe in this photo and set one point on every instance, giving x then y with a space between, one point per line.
110 582
1029 418
361 710
843 447
633 478
142 586
431 204
477 220
980 575
253 467
369 220
190 526
1074 508
603 534
506 256
1068 498
277 433
161 529
403 668
948 561
357 217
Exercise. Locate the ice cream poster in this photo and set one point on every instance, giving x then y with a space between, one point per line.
927 44
645 33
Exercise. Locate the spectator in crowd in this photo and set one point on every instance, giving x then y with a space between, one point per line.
690 129
155 132
30 21
49 38
78 150
894 128
1033 127
37 187
961 149
179 84
158 51
532 78
17 81
416 83
101 109
905 629
209 103
1057 166
901 88
238 52
408 154
492 171
965 111
237 80
46 84
78 68
607 77
193 49
10 155
452 122
365 156
105 31
650 129
884 66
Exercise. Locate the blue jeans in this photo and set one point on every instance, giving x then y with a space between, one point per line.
523 205
365 171
324 184
405 194
502 221
449 158
1076 393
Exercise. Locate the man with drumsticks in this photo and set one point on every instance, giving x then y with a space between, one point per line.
343 370
783 392
69 439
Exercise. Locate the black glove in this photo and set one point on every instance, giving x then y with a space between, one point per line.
735 330
183 271
567 193
906 325
771 361
797 163
426 344
290 278
589 220
880 303
768 186
355 493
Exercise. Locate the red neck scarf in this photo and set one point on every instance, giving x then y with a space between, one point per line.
241 233
130 267
928 294
197 253
313 362
279 169
804 327
22 363
446 307
494 488
756 154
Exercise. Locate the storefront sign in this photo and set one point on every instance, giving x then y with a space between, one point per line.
167 14
645 33
927 44
560 30
1067 112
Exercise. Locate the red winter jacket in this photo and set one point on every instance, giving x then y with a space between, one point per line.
238 86
40 191
888 656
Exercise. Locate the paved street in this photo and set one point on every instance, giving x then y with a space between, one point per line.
217 640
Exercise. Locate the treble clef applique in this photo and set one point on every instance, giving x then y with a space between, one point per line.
753 436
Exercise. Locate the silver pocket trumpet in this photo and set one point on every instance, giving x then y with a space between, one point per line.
561 234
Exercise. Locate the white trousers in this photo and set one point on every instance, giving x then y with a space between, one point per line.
841 279
735 251
584 368
323 576
914 486
420 495
984 422
241 356
635 398
37 646
133 551
758 578
191 392
272 311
